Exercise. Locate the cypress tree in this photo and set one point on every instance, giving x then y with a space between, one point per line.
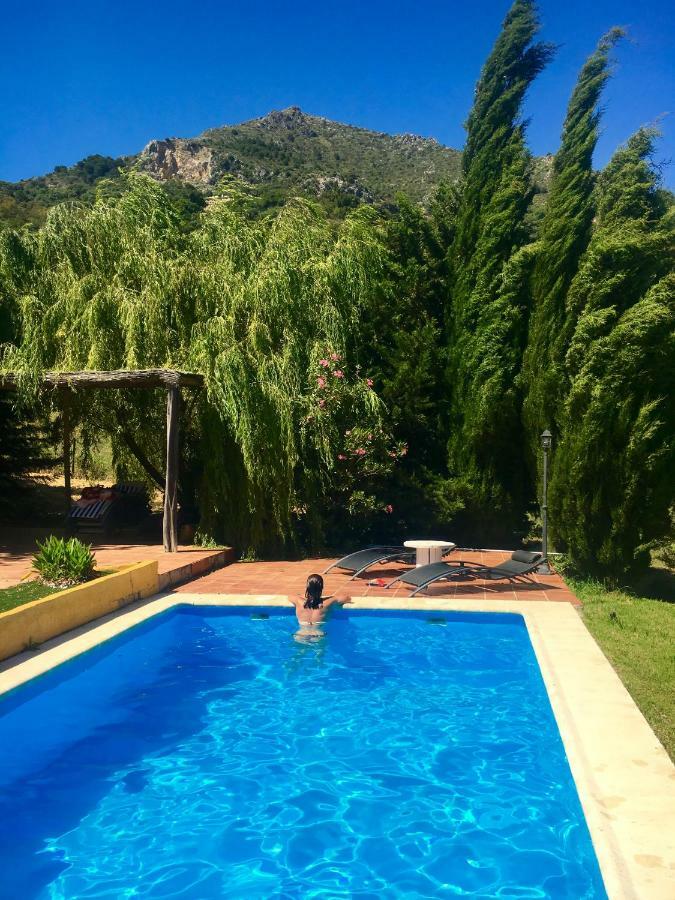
613 477
400 339
486 318
563 237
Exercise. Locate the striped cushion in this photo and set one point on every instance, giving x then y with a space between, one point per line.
96 510
129 487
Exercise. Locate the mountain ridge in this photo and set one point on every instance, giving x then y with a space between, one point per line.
283 153
287 150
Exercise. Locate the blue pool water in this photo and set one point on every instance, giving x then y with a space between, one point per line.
207 754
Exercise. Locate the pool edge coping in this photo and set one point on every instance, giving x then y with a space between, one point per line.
624 778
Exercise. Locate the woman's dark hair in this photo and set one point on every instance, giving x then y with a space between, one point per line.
313 592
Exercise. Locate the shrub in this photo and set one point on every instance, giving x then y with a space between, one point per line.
205 540
64 562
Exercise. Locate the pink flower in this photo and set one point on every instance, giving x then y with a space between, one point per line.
335 357
404 450
321 382
393 454
341 456
369 382
322 403
370 437
324 363
360 452
389 508
338 373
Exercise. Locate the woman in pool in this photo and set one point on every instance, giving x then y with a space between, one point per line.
312 608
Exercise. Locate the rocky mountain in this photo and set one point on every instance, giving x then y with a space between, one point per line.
290 150
285 152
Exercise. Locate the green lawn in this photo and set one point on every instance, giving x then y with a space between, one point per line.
637 635
23 593
33 590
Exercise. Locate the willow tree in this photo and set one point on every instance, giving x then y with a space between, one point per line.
613 479
253 305
486 318
564 234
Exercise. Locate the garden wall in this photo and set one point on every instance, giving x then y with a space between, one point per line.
36 622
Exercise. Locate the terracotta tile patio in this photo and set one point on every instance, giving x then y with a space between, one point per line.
290 578
15 561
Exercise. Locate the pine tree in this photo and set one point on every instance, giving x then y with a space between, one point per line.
613 476
563 237
486 318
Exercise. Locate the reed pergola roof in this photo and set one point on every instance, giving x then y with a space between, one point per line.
115 378
171 380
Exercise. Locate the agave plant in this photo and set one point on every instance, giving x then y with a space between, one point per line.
63 562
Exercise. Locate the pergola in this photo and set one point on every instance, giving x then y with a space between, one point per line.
172 381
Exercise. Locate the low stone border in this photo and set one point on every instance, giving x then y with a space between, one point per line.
624 778
36 622
218 560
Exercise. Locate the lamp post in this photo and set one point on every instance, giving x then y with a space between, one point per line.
545 439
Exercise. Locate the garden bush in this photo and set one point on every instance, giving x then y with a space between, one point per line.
64 562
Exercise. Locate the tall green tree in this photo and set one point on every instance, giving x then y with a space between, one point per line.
400 341
486 318
255 305
563 237
24 442
401 344
613 476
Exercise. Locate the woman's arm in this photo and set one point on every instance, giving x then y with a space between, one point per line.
336 598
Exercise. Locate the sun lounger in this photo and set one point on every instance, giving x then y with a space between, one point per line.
358 562
101 509
91 518
133 503
519 566
130 488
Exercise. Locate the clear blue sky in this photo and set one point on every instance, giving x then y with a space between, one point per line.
106 77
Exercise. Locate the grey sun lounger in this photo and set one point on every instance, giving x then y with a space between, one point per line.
358 562
519 566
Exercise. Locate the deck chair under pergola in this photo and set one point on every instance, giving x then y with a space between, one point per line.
93 518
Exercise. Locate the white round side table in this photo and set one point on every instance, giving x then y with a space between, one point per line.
429 551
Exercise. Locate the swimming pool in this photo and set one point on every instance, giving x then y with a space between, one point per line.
205 753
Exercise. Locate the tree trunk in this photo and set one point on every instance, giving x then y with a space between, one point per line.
134 448
65 420
170 524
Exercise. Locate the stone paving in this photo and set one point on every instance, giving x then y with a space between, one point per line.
275 578
15 561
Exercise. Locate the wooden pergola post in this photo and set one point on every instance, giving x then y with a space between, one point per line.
170 523
67 450
171 379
